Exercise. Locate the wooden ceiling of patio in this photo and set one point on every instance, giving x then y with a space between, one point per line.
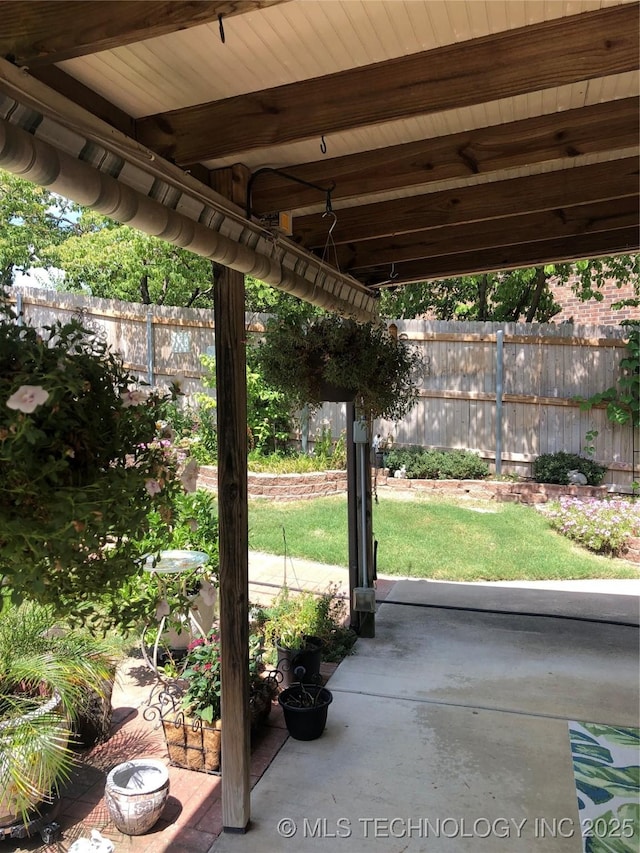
511 140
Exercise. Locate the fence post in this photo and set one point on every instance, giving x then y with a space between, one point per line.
304 429
499 367
150 349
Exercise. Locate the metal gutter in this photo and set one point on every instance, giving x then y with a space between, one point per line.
49 140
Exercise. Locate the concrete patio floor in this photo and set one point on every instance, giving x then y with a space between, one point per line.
448 731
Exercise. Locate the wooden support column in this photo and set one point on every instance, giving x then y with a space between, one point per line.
352 516
231 390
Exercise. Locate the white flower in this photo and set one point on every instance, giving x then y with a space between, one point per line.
27 398
189 476
132 398
152 486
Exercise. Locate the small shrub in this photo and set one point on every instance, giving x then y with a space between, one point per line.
603 526
555 467
422 464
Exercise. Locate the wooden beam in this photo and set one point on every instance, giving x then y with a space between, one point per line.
622 241
233 545
505 231
85 97
559 189
601 127
37 33
538 56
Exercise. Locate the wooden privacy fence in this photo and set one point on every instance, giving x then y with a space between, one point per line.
492 386
485 387
156 342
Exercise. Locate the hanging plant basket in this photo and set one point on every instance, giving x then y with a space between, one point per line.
336 360
192 743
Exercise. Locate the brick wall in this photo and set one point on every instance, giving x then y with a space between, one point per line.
593 313
323 483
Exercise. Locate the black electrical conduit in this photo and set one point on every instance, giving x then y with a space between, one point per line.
512 613
481 609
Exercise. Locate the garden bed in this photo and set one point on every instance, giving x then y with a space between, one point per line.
316 484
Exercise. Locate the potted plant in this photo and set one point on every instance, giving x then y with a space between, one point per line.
45 673
190 711
81 464
330 358
302 630
305 710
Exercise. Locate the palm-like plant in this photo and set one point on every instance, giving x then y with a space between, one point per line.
44 675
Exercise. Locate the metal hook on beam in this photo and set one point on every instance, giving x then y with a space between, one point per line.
327 190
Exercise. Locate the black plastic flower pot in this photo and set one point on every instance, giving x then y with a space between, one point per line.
300 665
305 710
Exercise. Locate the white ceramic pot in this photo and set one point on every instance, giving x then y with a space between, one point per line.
135 794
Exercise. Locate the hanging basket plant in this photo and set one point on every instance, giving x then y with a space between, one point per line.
330 358
81 465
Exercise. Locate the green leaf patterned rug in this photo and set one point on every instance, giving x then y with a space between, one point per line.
606 768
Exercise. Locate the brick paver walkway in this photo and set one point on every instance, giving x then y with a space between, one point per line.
192 817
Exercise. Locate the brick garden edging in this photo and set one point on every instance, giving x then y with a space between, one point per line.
323 483
633 549
283 487
517 492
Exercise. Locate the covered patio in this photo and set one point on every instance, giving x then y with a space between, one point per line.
330 149
451 731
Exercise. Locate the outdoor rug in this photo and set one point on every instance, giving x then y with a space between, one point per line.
606 769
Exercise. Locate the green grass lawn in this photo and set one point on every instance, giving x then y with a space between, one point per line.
433 538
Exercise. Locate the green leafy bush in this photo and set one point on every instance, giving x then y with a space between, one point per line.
298 463
81 464
555 467
422 464
191 523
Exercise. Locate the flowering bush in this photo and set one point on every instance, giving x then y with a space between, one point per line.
602 526
202 675
81 465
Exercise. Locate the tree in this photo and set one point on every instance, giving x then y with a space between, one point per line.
32 222
524 295
106 259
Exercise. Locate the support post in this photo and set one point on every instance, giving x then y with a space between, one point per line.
499 391
151 366
352 517
367 620
231 390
